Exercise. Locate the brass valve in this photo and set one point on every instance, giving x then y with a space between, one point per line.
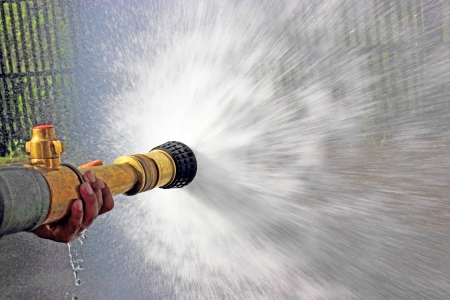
44 148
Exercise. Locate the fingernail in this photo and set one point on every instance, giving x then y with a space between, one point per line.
88 189
86 179
91 176
101 183
79 205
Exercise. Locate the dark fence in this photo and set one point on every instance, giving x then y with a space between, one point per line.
36 67
407 45
405 42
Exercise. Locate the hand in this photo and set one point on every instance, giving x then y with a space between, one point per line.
97 200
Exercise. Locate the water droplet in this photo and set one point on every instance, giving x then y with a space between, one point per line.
75 258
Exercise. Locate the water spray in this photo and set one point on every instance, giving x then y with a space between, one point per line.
43 191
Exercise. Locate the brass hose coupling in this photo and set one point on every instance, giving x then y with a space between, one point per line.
170 165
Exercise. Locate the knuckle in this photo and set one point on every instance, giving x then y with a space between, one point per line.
110 205
99 196
90 199
100 202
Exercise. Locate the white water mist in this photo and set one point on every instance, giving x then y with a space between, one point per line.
294 197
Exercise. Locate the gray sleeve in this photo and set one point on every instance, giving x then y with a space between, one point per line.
24 199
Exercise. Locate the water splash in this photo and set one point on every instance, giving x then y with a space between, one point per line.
71 296
290 201
76 257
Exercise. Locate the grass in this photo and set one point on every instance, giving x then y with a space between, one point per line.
35 36
20 159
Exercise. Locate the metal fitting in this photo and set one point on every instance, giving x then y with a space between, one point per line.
44 148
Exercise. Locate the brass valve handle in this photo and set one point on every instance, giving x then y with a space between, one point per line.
44 148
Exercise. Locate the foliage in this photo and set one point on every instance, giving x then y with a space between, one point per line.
18 159
36 62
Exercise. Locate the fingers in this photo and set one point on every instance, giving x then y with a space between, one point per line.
97 199
95 185
69 231
90 204
108 201
76 217
64 232
91 164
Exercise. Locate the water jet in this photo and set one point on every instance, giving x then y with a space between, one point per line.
286 105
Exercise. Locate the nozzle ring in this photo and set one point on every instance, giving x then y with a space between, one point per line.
185 163
150 171
76 171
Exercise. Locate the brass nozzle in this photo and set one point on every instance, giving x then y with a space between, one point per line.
171 165
154 169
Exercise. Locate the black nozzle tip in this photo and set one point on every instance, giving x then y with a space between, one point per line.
185 161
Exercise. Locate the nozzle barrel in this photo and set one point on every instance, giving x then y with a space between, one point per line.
128 175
